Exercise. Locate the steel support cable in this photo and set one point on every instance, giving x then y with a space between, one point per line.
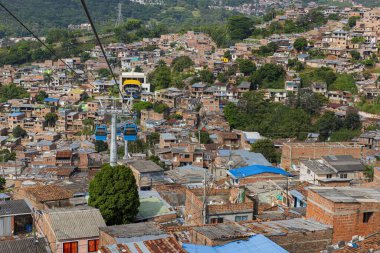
100 44
36 37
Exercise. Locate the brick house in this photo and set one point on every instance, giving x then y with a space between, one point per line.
292 153
350 211
146 173
45 196
331 167
197 89
296 235
167 140
220 205
228 139
210 104
73 230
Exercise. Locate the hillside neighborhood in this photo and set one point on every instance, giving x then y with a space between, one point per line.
267 145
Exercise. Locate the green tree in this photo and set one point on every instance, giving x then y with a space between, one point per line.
153 138
85 56
6 155
12 92
269 76
104 72
182 62
139 69
369 172
352 21
206 76
142 105
2 183
300 44
114 192
344 82
268 49
352 121
267 149
51 118
101 146
227 54
156 160
205 137
246 67
160 78
239 27
327 124
41 96
18 132
160 107
358 40
355 55
344 134
295 64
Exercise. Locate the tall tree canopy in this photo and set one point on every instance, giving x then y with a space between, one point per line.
240 27
114 192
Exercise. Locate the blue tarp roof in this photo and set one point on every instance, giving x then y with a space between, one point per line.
256 243
255 170
15 114
51 100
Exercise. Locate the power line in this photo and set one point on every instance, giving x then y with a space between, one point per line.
36 37
100 44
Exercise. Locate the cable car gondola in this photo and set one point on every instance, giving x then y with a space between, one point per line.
132 88
101 133
130 132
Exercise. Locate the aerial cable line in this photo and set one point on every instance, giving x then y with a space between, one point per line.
36 37
100 44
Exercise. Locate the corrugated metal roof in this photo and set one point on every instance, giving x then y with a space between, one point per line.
348 194
223 231
14 207
75 223
283 227
26 245
166 245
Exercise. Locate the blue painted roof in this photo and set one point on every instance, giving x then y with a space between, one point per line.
256 243
255 170
52 100
15 114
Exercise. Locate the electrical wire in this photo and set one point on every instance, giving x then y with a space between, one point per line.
100 43
36 37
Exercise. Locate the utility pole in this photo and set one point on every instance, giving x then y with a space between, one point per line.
204 211
119 20
113 155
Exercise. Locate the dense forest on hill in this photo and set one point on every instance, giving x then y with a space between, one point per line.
42 15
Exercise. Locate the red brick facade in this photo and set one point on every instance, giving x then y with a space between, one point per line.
292 153
346 218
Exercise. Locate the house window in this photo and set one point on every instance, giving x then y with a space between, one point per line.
93 245
367 216
187 156
216 220
70 247
328 176
241 218
343 175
